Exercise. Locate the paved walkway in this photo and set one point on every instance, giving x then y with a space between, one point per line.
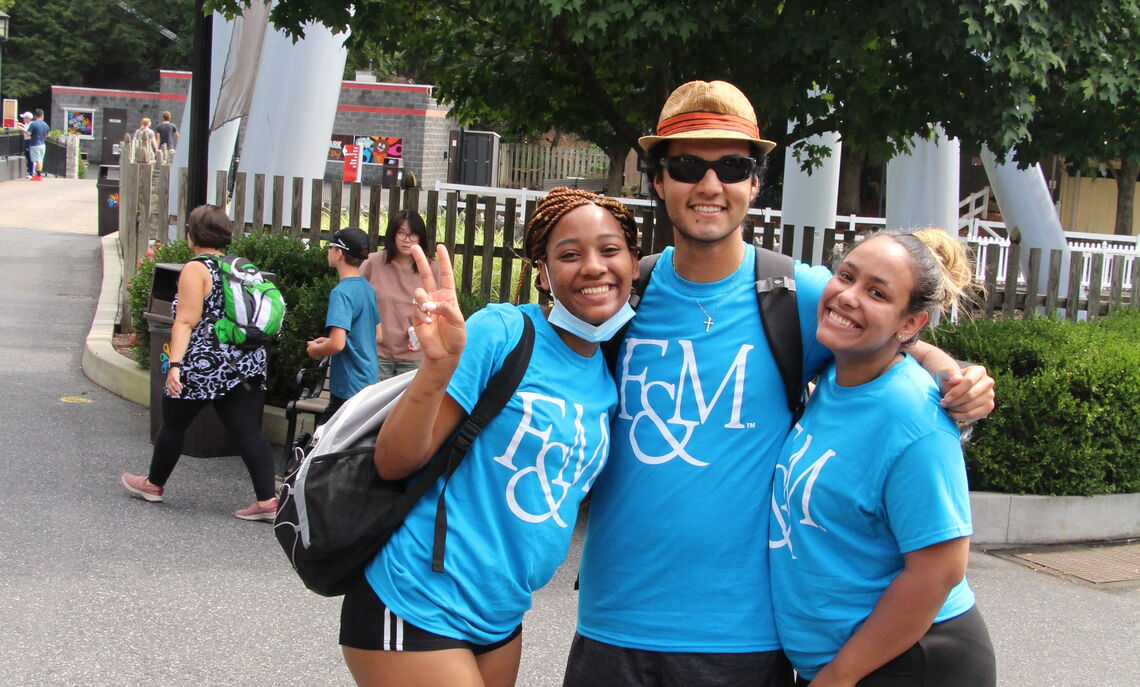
99 589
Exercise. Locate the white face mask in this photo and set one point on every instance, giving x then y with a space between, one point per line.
562 318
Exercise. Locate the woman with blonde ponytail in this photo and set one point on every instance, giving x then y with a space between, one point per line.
870 527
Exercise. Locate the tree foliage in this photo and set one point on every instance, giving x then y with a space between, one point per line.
1009 74
95 44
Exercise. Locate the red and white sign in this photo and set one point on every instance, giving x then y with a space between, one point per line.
352 159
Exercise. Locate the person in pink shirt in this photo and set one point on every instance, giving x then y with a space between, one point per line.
394 277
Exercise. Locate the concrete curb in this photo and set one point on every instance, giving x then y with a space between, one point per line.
1005 519
121 375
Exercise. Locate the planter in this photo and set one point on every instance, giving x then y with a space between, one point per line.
1001 519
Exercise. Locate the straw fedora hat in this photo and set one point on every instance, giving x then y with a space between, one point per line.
714 110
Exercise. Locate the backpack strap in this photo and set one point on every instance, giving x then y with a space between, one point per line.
500 388
611 346
776 299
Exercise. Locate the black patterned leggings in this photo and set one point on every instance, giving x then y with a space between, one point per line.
238 410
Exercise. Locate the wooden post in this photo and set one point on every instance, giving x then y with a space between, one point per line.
298 207
1053 286
807 248
278 212
239 200
145 203
183 180
1012 263
164 201
220 189
451 218
471 211
1073 301
508 244
374 193
1096 276
1117 286
991 281
787 239
1032 280
354 204
315 212
490 204
431 219
258 204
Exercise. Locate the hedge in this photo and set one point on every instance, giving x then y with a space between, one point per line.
305 279
1067 420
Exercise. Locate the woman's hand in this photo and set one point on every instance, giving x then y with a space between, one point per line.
438 321
174 382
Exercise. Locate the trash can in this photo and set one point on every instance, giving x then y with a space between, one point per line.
108 189
206 436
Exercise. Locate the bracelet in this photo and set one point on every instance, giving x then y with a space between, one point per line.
177 364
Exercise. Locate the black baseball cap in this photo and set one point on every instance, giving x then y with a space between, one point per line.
352 241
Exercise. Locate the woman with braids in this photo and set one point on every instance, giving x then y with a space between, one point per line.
512 503
870 527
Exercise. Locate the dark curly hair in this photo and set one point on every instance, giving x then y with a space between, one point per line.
554 206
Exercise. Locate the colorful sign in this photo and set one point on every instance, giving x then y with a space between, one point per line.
374 150
11 111
80 122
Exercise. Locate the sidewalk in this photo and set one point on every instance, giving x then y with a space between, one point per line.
100 589
54 204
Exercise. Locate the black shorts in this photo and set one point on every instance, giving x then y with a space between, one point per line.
366 623
592 663
953 652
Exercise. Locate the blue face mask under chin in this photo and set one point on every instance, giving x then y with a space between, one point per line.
594 333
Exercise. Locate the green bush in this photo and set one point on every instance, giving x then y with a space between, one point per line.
1068 403
305 280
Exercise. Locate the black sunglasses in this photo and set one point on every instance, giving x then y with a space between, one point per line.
688 169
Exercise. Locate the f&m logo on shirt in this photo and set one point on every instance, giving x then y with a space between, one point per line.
650 431
558 467
795 482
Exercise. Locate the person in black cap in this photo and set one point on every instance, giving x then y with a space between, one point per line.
353 322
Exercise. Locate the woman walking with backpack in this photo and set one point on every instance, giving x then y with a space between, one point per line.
512 502
203 371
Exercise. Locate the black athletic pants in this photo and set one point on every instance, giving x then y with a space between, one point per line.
953 653
238 410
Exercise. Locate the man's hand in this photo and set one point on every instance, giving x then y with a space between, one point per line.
968 395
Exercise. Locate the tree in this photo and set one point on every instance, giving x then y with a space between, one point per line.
877 72
1085 100
94 44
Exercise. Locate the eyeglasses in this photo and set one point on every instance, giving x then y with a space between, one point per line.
406 236
688 169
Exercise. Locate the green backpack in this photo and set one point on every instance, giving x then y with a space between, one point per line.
254 307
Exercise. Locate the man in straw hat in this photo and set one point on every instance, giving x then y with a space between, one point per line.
674 575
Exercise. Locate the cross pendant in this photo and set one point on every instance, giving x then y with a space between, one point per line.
708 323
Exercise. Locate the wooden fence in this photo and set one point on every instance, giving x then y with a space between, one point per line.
484 235
529 165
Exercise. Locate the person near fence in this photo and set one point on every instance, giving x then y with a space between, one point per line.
145 141
870 513
352 322
22 125
674 588
167 132
394 277
203 371
512 503
37 143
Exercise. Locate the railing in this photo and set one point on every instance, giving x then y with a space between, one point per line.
530 165
483 228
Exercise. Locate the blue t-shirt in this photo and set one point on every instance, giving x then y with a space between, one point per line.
674 558
869 473
38 129
352 307
512 504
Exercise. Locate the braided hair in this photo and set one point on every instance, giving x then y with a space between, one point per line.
554 206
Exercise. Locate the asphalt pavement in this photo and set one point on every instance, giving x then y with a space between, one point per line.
97 588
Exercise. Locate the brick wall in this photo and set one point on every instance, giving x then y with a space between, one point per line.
138 104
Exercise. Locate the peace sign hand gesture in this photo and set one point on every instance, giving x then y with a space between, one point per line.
438 321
